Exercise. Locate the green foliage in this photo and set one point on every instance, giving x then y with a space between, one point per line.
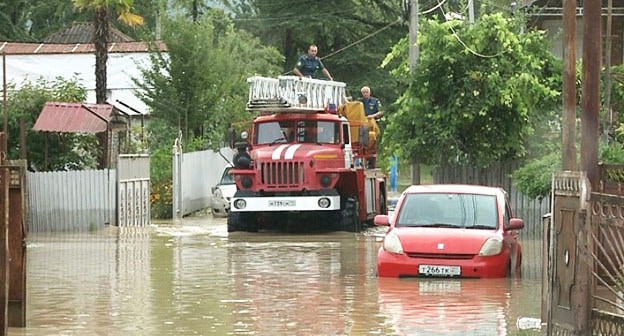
161 193
477 95
66 151
612 153
200 87
534 178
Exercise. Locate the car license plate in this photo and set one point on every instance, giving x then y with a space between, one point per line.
436 270
282 203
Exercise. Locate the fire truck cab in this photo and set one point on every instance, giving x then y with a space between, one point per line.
304 163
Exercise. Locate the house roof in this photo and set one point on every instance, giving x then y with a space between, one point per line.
73 118
19 48
82 32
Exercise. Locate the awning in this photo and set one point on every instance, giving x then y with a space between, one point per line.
74 118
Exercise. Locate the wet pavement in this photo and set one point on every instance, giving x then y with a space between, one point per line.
194 278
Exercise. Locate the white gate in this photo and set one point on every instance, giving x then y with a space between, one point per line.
133 191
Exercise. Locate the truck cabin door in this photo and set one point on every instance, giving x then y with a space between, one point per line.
346 140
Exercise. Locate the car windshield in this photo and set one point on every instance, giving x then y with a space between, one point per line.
227 178
470 211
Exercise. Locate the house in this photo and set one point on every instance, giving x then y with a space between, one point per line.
548 15
70 53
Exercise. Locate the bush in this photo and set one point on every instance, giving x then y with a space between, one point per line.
534 178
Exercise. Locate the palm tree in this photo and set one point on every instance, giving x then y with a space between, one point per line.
101 21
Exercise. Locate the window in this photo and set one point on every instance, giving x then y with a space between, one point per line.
460 210
274 132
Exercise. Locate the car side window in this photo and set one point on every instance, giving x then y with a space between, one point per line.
507 214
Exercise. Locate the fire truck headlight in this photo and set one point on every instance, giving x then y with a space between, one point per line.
240 204
303 99
246 182
325 180
324 202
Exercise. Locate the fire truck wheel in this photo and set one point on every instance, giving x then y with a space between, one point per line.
241 222
234 221
349 219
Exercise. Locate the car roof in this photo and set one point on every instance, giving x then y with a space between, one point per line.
454 188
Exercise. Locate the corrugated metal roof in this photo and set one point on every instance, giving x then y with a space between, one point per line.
82 32
73 118
19 48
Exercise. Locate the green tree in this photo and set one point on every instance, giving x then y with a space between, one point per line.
65 151
353 36
199 86
101 10
13 20
478 93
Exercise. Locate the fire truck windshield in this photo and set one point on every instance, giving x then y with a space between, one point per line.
302 131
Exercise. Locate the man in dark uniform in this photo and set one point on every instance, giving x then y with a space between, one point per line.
372 105
372 110
309 63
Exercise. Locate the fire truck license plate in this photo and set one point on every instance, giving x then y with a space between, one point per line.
282 203
435 270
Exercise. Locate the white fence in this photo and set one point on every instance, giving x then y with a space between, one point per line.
194 176
133 191
71 200
90 199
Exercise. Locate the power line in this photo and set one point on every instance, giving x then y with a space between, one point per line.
357 42
364 38
472 51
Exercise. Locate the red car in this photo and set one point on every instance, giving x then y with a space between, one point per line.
450 231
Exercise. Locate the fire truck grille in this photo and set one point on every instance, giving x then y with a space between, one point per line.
282 174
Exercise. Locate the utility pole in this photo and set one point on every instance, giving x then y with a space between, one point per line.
569 85
413 59
592 56
609 124
471 11
4 145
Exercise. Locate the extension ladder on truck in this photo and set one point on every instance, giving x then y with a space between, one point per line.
287 93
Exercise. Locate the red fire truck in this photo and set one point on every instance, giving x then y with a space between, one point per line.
308 160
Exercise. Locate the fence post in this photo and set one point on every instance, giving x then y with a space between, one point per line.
17 232
4 243
177 181
547 269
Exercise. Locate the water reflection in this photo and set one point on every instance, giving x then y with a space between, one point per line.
446 306
196 279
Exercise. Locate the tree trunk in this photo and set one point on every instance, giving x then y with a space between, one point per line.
101 57
101 53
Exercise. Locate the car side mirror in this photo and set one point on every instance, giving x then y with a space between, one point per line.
515 224
382 220
214 189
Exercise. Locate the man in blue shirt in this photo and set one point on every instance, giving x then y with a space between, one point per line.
372 105
308 64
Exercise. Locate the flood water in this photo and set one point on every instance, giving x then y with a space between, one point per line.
194 278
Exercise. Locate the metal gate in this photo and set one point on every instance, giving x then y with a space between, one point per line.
567 282
133 190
